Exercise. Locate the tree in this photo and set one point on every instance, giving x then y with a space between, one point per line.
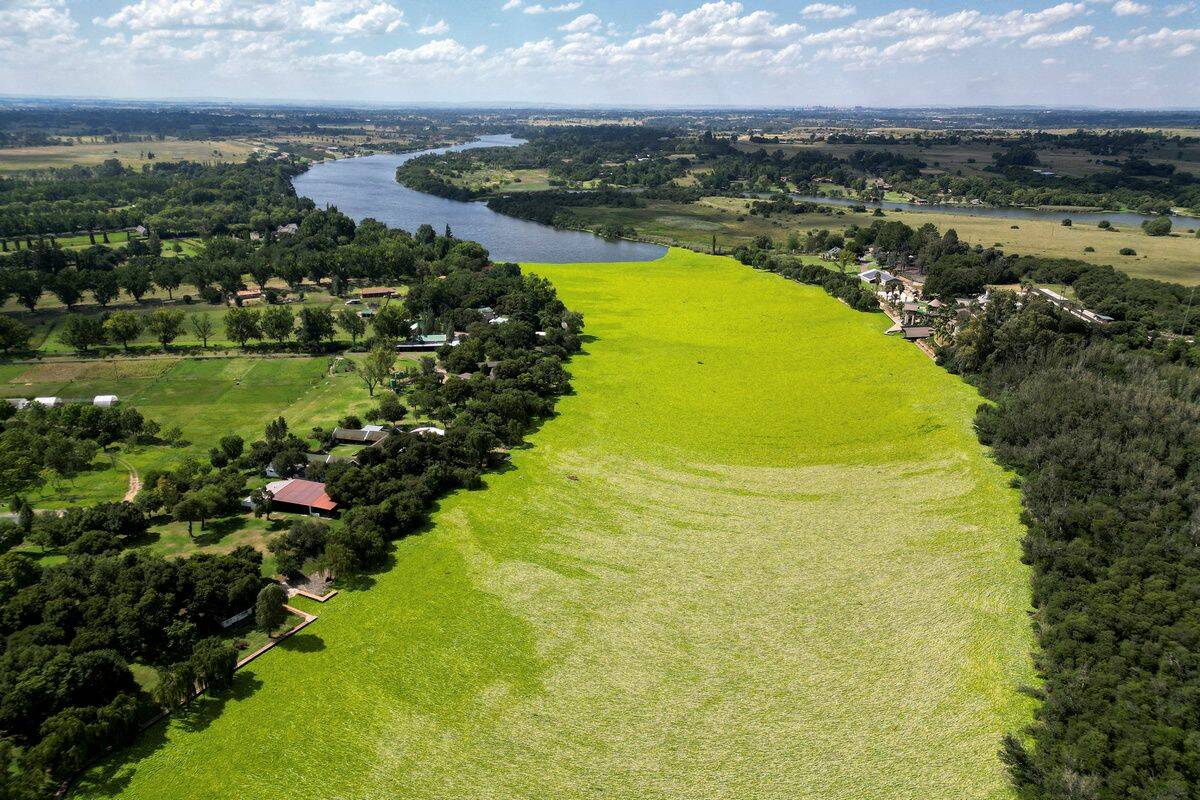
377 367
390 323
83 333
269 612
202 326
242 325
27 285
232 446
214 663
176 685
1159 226
391 409
278 323
169 276
260 502
349 321
104 286
67 286
262 271
14 335
316 326
124 327
165 325
135 279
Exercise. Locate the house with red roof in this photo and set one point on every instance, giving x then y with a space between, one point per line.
301 497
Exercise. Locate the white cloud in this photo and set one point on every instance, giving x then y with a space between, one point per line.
538 8
915 34
1184 50
1177 40
1125 8
436 29
584 22
1179 9
827 11
1076 34
510 5
332 17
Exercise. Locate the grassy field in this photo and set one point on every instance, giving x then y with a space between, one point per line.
1171 258
759 554
134 154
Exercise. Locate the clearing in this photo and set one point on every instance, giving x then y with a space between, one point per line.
759 553
131 154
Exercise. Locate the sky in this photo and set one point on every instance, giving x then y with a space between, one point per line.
1105 53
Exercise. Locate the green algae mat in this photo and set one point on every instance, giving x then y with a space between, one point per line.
758 554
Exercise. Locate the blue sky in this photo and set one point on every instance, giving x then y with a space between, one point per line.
1113 53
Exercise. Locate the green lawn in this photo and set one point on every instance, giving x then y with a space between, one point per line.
759 554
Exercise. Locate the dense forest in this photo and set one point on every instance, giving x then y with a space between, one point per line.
183 198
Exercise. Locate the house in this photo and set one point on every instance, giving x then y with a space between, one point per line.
106 400
291 229
301 497
255 236
426 341
498 320
141 230
245 295
377 291
913 332
487 313
879 276
358 436
914 313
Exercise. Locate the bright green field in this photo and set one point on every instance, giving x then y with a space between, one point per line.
759 554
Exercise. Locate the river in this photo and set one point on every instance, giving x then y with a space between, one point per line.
1009 212
366 187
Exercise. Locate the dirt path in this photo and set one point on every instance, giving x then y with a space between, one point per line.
135 481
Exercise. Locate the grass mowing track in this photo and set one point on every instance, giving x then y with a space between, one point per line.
760 553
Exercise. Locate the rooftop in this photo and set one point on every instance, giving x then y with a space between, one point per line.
300 492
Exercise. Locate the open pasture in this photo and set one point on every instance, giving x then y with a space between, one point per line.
758 554
132 154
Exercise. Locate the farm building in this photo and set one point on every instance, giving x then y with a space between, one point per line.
358 436
48 402
427 341
301 497
377 291
106 400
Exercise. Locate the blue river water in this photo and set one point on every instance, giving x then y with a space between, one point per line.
366 187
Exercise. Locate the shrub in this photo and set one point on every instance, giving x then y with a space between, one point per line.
1128 251
1160 226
